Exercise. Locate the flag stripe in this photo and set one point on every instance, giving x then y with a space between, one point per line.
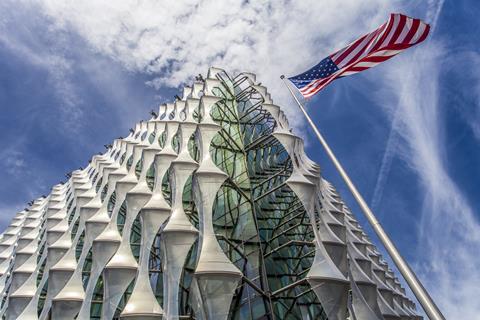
421 28
398 30
374 42
349 49
358 51
412 31
424 35
405 31
385 32
395 19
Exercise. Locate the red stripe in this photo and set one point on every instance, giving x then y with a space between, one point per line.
424 35
354 67
306 88
313 83
319 87
333 54
358 69
376 59
413 30
400 26
369 58
360 52
310 94
384 36
316 84
398 46
350 49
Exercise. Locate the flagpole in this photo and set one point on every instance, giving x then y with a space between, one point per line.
413 282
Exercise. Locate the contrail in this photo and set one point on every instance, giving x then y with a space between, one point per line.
434 9
388 155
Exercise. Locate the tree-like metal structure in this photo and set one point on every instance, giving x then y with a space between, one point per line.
209 210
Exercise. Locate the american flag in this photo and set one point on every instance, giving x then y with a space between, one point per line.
397 34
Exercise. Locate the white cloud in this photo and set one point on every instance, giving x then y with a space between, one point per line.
175 40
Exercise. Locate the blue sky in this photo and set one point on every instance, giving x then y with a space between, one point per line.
74 76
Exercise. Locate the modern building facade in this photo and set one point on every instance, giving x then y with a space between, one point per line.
210 210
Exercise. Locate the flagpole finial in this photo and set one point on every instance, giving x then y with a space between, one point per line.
282 77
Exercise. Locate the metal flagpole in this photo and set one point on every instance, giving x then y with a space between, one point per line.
420 292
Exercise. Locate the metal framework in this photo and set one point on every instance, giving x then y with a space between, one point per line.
209 210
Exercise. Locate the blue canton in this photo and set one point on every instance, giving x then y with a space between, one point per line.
322 70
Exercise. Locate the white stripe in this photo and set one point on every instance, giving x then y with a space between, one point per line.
352 54
373 43
405 30
310 85
310 90
335 57
315 90
419 32
338 54
396 20
359 64
313 87
367 64
348 73
384 53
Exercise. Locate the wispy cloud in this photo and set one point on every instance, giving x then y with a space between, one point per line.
16 172
13 161
390 152
74 70
36 41
448 229
471 111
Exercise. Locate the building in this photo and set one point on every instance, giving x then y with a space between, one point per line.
209 210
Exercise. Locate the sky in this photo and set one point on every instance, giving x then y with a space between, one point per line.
74 75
